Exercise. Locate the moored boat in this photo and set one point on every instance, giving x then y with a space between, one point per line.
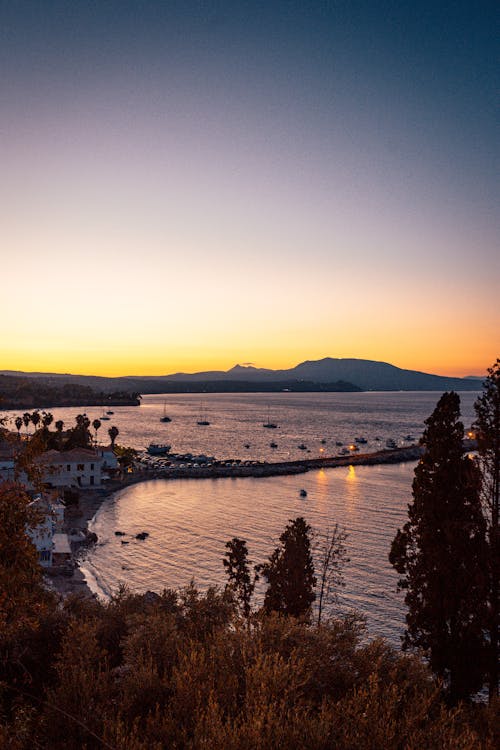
165 417
158 449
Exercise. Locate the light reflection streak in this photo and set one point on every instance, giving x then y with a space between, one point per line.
352 487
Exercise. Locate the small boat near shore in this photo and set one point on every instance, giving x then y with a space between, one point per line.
158 449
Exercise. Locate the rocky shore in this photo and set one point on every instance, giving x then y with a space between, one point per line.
77 517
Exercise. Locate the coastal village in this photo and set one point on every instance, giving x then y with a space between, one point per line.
61 482
68 484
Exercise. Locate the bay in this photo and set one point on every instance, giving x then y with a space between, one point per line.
189 520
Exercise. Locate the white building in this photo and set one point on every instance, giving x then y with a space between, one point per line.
107 454
42 534
78 467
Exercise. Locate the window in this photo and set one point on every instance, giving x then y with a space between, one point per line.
80 467
91 467
68 467
45 554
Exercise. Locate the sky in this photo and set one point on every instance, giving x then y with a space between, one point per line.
188 185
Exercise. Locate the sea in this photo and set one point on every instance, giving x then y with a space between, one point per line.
189 521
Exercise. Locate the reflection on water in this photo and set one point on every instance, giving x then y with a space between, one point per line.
189 522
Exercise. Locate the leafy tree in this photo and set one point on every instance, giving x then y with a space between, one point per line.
79 436
126 456
19 423
237 568
487 428
21 589
440 555
290 572
113 433
332 555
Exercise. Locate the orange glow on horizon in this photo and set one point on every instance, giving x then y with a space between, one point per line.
143 363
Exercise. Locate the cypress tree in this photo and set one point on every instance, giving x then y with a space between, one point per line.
487 427
440 555
290 572
238 571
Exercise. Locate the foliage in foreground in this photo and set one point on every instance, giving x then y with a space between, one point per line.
182 670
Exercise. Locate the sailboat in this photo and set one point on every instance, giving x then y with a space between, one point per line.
270 425
165 418
203 421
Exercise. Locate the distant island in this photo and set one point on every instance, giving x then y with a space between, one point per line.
323 375
18 392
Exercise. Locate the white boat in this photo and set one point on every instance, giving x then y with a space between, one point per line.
158 449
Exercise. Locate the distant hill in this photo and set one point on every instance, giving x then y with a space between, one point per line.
323 374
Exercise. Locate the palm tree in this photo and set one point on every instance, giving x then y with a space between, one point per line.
113 433
26 420
35 418
59 427
96 424
47 419
19 423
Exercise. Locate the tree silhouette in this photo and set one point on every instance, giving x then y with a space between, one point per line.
36 418
59 425
113 433
332 555
26 420
290 572
79 436
237 568
440 554
96 424
19 423
47 419
487 428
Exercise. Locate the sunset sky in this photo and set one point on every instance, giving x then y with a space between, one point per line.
187 185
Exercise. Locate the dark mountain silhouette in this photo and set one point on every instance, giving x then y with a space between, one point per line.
328 373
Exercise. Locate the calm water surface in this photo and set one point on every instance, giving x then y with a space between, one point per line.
190 520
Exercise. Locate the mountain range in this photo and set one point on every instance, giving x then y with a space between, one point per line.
322 374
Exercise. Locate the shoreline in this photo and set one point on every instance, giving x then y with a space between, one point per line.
77 517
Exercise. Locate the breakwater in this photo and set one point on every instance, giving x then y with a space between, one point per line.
283 468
